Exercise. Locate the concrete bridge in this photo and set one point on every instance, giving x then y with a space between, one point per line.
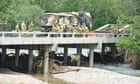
48 41
40 38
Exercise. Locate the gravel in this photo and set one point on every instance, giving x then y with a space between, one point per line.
96 76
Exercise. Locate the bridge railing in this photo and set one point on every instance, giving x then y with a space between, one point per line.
54 35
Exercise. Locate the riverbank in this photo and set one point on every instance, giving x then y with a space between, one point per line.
10 77
95 76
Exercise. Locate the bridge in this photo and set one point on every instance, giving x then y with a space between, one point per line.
48 41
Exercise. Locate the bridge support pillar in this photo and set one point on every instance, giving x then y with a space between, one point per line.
79 50
114 51
126 55
30 59
17 57
91 57
46 61
3 57
102 53
65 55
41 52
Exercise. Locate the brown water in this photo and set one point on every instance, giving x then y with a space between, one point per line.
50 79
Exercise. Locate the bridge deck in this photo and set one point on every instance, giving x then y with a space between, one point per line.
36 38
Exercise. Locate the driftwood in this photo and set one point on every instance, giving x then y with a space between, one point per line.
58 61
64 71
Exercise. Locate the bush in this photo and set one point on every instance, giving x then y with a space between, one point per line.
75 58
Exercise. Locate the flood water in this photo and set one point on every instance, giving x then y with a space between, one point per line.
123 69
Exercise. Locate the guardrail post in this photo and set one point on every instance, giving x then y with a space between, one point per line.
113 35
61 35
84 35
105 35
19 35
34 35
3 35
73 35
49 35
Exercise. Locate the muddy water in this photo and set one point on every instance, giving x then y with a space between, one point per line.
50 79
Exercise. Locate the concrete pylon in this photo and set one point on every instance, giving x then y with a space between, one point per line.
3 57
113 49
46 61
91 57
65 55
126 55
79 50
17 57
30 60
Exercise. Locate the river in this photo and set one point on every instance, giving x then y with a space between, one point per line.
123 69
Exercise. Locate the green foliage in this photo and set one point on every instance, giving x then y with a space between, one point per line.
102 11
135 31
28 13
132 42
124 42
75 58
36 28
125 20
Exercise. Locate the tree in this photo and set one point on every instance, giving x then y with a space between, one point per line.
28 13
132 42
102 11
